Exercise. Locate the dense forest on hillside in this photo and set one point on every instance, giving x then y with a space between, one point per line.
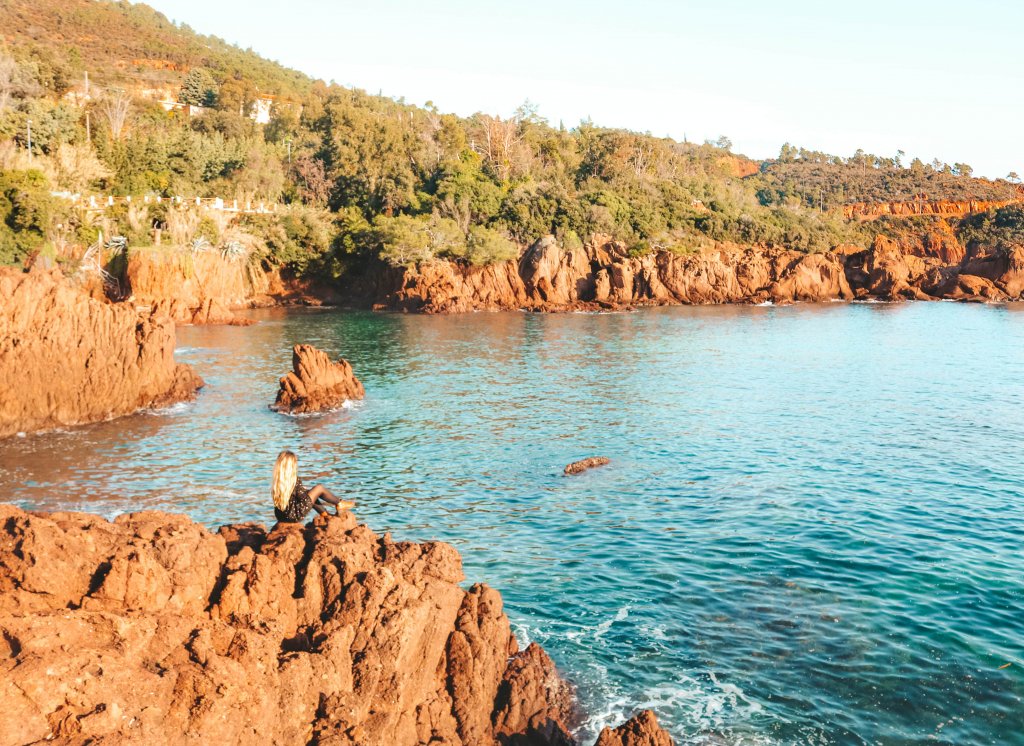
365 176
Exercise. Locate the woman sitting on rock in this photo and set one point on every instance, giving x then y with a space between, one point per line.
292 501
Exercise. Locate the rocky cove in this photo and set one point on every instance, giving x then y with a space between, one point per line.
152 629
105 359
226 630
713 570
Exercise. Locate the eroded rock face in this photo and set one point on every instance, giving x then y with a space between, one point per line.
641 730
316 383
152 629
210 311
191 288
67 358
206 288
603 275
940 207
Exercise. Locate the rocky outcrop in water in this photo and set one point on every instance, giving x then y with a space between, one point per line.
603 275
316 384
67 358
152 629
578 467
641 730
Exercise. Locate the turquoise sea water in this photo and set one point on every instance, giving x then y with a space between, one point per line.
811 531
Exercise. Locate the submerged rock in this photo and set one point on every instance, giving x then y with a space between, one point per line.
67 358
641 730
316 384
151 628
577 467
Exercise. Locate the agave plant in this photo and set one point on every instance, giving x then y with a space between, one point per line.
92 260
118 244
200 245
234 251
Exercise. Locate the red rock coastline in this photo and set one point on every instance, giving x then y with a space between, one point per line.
205 288
603 275
152 629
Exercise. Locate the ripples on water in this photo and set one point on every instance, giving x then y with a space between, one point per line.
810 532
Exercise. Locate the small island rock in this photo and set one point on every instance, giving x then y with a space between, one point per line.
316 383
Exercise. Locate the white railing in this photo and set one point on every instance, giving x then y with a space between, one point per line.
102 202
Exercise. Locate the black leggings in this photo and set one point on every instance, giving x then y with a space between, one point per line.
320 493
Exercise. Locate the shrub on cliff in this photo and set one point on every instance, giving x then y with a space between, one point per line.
994 229
487 245
297 238
26 209
407 240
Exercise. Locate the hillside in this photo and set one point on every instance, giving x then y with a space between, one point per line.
365 177
122 42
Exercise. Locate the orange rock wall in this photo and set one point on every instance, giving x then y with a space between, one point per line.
923 266
67 358
197 288
942 208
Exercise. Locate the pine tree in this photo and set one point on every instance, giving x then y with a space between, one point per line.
199 88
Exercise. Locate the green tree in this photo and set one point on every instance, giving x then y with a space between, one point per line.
199 88
962 169
486 246
403 239
26 209
236 95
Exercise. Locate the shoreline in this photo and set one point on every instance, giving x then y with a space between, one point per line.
605 276
311 632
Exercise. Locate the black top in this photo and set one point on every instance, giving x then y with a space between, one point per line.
299 505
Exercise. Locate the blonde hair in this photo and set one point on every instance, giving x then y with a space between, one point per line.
286 474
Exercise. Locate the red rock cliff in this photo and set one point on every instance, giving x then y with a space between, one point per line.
940 207
193 288
68 359
605 275
205 288
922 266
152 629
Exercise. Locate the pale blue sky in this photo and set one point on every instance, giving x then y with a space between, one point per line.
935 79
